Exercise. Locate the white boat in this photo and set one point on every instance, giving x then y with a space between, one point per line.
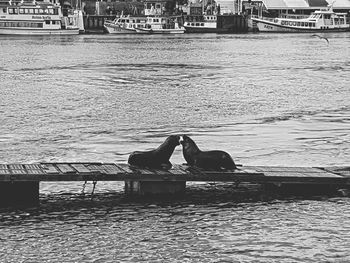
201 24
39 18
125 25
321 20
161 25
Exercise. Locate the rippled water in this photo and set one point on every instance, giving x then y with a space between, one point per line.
268 99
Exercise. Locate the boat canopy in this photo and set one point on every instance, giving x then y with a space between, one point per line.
318 3
297 4
305 4
340 4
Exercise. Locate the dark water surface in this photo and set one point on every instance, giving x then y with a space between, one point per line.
267 99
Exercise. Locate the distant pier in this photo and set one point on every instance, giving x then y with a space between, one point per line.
225 23
94 24
19 183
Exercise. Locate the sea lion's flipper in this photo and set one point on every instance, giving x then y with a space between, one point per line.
166 165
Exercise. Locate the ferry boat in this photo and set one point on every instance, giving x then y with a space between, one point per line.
320 20
161 25
201 24
125 24
39 18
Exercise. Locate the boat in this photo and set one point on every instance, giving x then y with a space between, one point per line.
161 25
125 24
201 24
39 18
321 20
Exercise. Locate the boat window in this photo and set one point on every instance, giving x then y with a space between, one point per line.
21 11
302 24
202 24
51 11
298 23
197 24
41 11
21 24
47 22
10 11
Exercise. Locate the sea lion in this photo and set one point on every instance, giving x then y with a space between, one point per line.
157 158
210 160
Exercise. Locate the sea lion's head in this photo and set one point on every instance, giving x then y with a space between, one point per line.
174 140
187 142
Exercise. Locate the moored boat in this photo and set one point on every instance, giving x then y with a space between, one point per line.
39 18
321 20
161 25
201 24
125 25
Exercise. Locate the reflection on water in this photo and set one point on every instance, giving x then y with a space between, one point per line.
268 99
194 229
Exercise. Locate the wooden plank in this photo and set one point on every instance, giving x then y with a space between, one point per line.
32 166
127 168
112 169
16 166
248 171
3 166
2 171
178 170
339 170
162 172
81 168
66 168
18 171
49 168
96 168
286 169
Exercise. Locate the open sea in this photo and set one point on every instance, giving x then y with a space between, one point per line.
267 99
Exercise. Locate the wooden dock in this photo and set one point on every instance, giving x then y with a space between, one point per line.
20 182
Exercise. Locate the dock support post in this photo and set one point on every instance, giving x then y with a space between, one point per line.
154 187
19 194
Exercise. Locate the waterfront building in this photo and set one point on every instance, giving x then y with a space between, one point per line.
292 8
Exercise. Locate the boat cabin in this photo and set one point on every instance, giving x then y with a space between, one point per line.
31 15
161 23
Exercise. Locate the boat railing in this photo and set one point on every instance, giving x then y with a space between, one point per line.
285 16
263 18
294 16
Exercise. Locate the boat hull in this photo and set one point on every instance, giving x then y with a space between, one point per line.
38 32
190 29
115 29
160 31
269 26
